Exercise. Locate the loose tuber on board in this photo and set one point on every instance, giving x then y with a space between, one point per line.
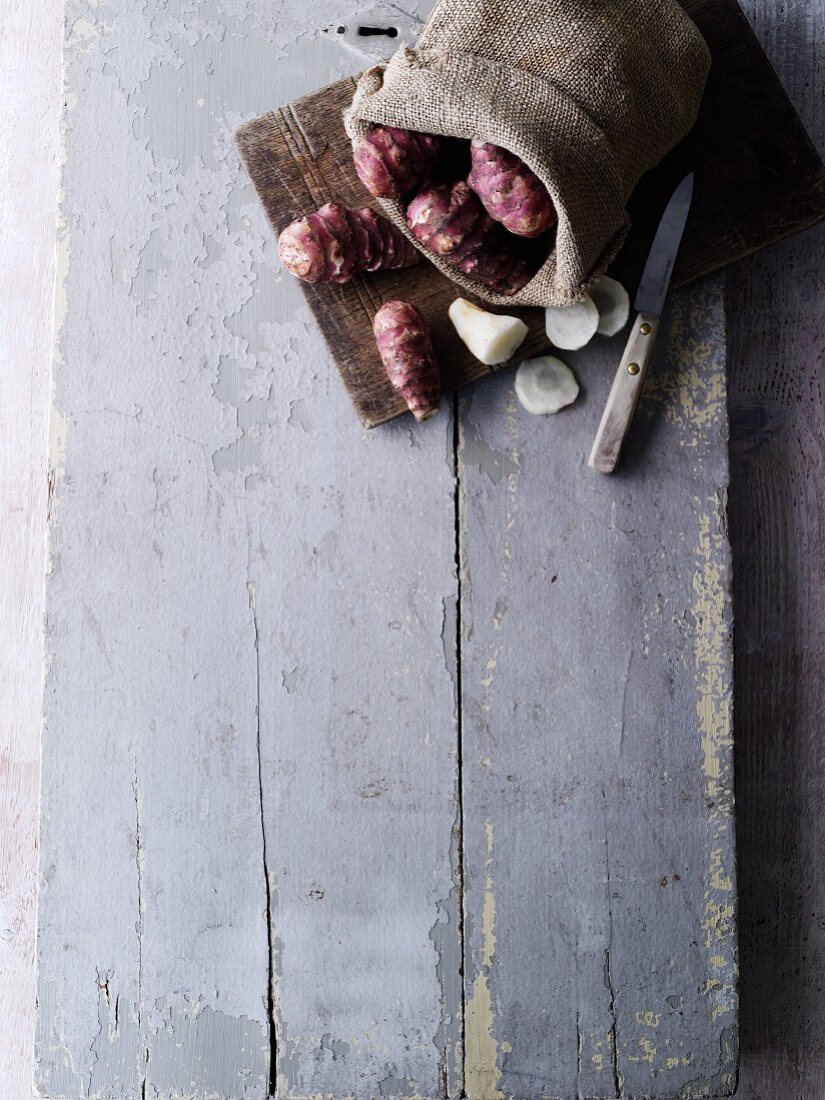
334 243
391 162
511 193
491 337
407 354
449 220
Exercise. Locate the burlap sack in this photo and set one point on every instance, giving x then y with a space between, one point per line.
589 93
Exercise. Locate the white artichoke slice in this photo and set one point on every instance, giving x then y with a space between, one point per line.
571 327
613 304
545 385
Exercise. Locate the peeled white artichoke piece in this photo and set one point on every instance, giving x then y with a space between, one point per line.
491 337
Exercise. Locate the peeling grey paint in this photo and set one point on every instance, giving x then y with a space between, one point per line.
396 1086
598 810
225 544
252 643
477 451
447 938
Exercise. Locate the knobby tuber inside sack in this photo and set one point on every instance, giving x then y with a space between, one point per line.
407 354
491 337
449 220
444 216
334 243
391 162
510 192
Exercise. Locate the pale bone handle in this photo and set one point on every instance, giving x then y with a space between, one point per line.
624 395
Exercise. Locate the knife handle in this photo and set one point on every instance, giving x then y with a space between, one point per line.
624 395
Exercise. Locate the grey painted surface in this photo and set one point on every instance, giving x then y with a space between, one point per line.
227 549
251 761
597 734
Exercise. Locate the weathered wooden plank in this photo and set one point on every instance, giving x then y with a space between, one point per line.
249 753
29 91
597 684
358 735
777 344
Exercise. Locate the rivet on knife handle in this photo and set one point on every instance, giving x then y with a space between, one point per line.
624 396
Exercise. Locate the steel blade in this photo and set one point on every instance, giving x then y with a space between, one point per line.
659 267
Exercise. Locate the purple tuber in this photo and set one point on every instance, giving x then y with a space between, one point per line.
407 354
511 193
391 162
450 220
334 243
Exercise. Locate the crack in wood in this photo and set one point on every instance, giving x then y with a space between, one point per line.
457 520
270 985
608 976
139 925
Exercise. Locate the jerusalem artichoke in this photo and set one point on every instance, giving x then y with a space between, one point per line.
545 385
446 216
334 243
407 354
571 327
491 337
613 303
511 193
391 162
449 220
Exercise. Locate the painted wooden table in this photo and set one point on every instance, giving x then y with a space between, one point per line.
162 771
415 743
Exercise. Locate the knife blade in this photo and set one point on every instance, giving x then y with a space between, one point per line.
655 281
649 303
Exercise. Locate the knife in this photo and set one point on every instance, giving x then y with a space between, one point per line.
650 300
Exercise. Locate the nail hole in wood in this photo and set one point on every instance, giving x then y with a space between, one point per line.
369 32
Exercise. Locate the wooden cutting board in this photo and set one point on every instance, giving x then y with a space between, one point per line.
758 180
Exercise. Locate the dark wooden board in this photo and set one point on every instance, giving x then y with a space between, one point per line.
758 180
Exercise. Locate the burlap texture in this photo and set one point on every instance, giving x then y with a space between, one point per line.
589 93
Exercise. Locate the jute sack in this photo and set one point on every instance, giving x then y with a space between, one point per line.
589 93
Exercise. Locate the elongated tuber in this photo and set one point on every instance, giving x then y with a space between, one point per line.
334 243
613 303
391 162
491 337
545 385
407 354
571 327
449 220
511 193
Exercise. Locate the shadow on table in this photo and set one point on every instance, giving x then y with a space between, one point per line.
777 523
